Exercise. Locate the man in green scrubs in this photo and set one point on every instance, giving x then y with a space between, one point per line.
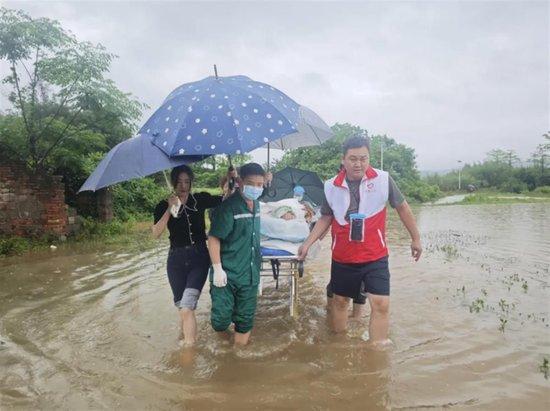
234 246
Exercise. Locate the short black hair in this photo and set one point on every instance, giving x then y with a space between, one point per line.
176 171
356 141
251 169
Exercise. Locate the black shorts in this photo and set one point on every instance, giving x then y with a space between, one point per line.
360 299
353 280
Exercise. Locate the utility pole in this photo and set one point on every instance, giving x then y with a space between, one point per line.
382 153
459 176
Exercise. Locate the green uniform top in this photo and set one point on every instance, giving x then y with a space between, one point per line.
239 232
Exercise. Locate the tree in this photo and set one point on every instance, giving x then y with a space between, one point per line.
512 158
399 160
61 99
497 156
324 159
540 156
501 171
209 171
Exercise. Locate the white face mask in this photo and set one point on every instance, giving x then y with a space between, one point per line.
252 193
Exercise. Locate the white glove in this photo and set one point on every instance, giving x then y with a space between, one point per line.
219 279
175 209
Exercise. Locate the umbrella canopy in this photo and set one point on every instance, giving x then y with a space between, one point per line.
285 180
231 115
132 158
312 130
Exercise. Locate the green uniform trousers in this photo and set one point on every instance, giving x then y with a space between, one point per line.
233 303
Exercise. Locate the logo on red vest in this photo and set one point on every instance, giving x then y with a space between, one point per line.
370 187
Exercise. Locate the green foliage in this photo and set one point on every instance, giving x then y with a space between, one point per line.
325 159
506 157
65 112
544 367
209 171
500 198
92 229
418 190
542 190
477 305
137 197
500 171
513 185
63 106
13 245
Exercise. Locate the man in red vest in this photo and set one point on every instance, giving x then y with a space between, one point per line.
355 209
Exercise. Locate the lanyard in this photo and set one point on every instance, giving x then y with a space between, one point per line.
355 193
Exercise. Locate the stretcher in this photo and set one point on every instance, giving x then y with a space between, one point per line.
279 266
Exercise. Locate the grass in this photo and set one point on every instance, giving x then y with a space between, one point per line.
502 325
477 305
137 230
501 199
498 197
543 368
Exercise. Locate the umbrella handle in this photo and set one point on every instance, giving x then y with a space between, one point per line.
268 184
168 184
231 182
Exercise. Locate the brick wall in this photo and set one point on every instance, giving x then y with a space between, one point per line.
98 204
31 205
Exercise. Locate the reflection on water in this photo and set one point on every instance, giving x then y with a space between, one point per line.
96 329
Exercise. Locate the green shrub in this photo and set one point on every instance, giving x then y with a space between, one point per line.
542 190
13 245
420 191
137 197
90 228
513 185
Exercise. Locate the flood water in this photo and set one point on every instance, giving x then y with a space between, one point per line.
94 328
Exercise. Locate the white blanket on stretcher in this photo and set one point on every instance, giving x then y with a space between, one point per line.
280 234
294 231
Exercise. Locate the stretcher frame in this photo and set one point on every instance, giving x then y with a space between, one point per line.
288 267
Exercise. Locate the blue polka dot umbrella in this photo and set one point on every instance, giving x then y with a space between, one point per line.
231 115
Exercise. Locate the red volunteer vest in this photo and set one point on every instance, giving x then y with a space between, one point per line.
373 196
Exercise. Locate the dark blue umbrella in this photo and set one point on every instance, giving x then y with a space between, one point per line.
133 158
231 115
284 181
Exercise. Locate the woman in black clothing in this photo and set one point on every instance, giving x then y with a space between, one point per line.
188 260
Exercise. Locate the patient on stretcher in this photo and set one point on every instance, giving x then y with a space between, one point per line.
284 224
284 212
284 220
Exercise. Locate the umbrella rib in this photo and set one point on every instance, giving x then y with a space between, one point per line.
315 134
241 142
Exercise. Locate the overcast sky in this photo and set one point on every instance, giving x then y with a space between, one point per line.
451 79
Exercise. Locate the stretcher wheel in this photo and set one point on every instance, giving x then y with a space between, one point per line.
301 268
